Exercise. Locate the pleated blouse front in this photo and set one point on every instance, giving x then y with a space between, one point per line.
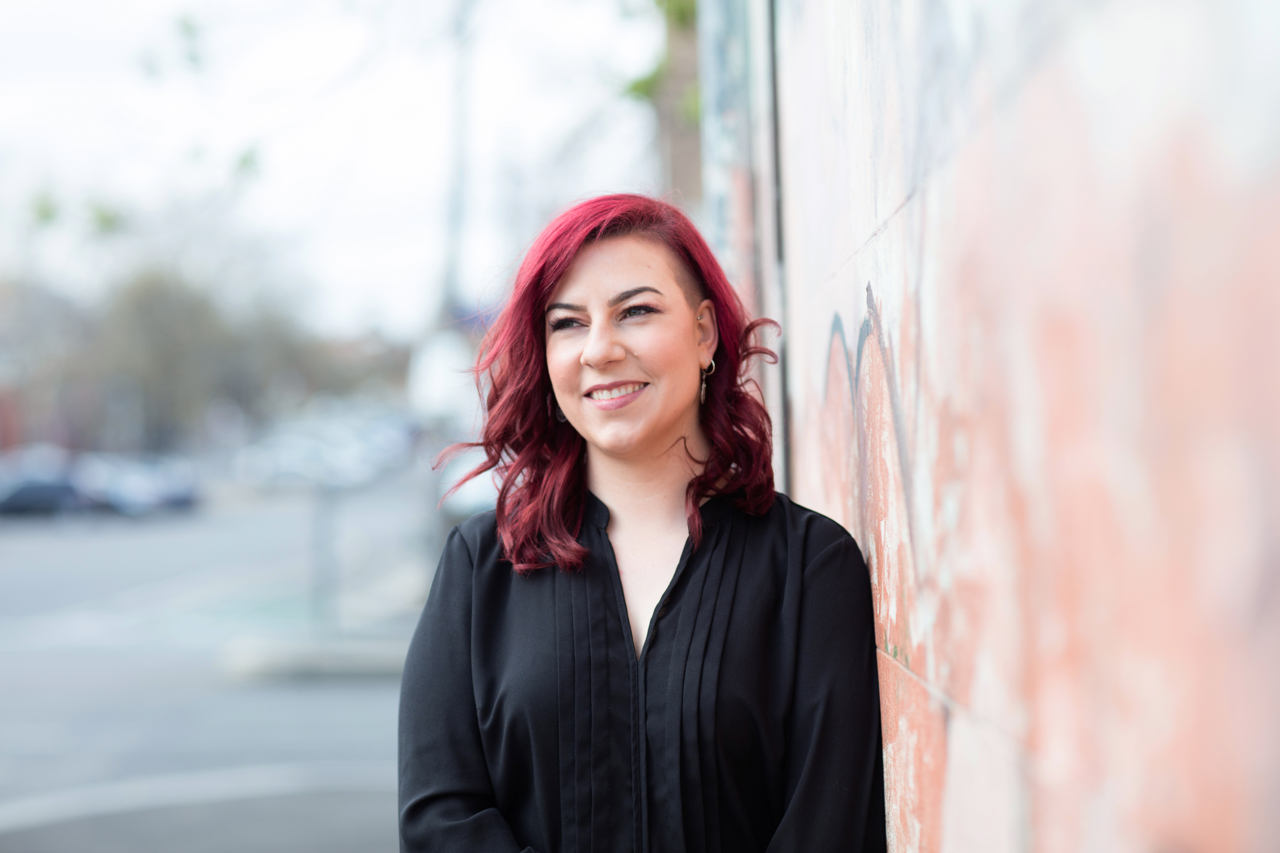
749 721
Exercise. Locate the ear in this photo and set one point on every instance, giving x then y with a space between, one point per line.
708 331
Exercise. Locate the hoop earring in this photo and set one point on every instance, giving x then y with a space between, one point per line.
706 371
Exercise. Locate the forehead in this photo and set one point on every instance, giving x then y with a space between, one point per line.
606 267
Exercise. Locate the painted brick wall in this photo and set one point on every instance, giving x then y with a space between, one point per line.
1029 273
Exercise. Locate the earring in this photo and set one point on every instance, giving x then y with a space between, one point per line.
560 414
706 371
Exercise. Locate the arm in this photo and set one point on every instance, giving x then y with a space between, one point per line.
834 776
446 796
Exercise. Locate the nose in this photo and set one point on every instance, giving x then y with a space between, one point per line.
602 346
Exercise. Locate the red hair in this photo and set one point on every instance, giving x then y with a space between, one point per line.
540 461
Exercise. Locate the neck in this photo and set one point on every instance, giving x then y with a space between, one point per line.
650 490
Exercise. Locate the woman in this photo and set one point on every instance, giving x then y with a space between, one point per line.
644 648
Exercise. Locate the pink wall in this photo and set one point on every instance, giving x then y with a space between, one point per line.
1031 285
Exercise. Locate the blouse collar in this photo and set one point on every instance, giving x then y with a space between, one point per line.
715 508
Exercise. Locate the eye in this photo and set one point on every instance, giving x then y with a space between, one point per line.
563 323
638 311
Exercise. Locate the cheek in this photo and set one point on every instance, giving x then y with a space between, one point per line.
676 360
562 367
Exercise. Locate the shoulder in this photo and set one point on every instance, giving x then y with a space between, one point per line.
478 530
824 564
808 533
474 544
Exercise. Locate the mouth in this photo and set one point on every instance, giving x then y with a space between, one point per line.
612 392
616 395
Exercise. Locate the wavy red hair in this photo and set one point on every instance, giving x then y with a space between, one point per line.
539 461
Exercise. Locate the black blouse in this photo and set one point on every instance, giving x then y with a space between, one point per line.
749 722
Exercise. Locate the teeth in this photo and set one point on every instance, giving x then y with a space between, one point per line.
620 391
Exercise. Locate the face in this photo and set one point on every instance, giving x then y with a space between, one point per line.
625 349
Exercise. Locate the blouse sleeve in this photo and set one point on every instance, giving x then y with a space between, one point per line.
834 773
446 796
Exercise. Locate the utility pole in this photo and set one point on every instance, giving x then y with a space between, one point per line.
456 214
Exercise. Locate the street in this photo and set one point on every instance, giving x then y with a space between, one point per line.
123 724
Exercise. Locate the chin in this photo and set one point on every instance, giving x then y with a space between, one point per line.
622 440
615 442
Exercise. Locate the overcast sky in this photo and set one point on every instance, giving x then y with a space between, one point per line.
310 141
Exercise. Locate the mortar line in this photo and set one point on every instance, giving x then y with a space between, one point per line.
956 707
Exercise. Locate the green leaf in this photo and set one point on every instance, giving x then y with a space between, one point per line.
646 88
107 220
44 208
683 14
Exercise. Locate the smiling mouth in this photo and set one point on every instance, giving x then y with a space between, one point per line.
613 393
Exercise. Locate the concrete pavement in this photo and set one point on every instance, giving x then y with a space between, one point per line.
122 726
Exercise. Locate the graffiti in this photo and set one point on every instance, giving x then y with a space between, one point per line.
1031 366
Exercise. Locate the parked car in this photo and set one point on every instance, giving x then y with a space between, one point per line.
46 479
337 448
136 485
42 498
35 480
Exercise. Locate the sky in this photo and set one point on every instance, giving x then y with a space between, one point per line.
304 150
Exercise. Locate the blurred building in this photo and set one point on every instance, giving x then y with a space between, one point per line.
1026 257
38 332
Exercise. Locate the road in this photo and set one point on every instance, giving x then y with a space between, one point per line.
122 726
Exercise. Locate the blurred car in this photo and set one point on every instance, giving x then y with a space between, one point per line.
332 448
136 485
42 498
35 480
46 479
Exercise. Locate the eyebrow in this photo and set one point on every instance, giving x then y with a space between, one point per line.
617 300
